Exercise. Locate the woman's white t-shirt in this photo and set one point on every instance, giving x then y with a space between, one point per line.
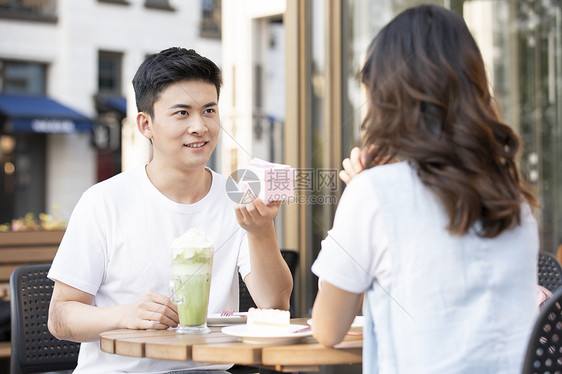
434 302
117 248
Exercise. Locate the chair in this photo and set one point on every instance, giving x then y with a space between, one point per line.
34 349
291 257
246 301
549 272
544 352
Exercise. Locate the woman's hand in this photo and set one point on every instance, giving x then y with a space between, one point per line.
357 162
352 166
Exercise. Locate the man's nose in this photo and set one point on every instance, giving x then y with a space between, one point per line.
197 125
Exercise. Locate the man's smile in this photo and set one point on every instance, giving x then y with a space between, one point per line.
195 145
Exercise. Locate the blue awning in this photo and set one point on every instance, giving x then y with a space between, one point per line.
118 103
41 114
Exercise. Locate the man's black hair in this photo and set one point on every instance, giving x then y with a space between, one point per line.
170 66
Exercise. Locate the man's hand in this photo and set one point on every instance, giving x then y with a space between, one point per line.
256 216
152 311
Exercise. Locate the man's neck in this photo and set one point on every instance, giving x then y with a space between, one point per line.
181 186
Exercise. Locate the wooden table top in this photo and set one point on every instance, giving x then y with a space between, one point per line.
216 347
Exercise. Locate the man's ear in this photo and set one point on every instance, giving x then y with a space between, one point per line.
144 124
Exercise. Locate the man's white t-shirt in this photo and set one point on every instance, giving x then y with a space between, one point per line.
117 248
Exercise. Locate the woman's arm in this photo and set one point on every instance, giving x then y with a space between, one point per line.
333 313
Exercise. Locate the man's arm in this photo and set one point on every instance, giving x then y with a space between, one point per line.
270 282
72 317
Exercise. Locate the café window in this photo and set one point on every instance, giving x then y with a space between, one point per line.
34 10
22 155
521 44
109 72
210 25
19 77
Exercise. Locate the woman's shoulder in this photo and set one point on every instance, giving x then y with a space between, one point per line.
388 174
374 181
398 168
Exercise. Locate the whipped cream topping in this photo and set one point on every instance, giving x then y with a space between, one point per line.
193 242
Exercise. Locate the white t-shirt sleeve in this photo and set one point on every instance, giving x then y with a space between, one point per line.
354 254
80 261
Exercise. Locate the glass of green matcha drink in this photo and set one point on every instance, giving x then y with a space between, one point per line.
192 263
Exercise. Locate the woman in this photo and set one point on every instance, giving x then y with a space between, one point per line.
443 243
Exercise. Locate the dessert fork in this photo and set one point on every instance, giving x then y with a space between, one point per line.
307 328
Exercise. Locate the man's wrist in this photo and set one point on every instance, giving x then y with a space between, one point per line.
267 229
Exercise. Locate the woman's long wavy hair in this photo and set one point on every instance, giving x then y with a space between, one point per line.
430 104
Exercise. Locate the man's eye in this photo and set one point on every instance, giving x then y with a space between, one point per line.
209 111
183 112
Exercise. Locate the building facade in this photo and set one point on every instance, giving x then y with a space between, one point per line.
80 56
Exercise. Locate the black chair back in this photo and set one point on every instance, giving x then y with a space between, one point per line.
245 299
544 352
34 349
246 302
550 272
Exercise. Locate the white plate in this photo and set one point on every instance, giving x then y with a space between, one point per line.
218 320
256 338
357 322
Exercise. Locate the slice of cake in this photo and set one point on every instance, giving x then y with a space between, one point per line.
268 321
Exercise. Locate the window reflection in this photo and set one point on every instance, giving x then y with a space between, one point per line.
521 43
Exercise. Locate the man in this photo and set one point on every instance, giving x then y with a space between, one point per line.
113 265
